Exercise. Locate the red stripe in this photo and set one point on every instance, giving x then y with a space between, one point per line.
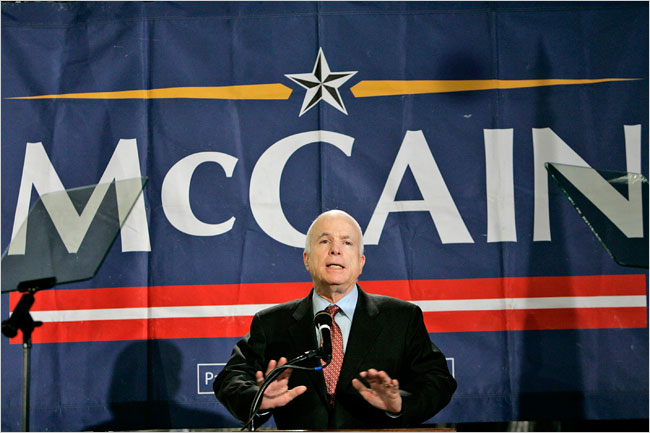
274 293
513 287
165 296
97 330
139 329
204 327
533 320
448 321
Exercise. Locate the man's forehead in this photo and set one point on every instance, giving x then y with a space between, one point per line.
341 235
338 224
335 222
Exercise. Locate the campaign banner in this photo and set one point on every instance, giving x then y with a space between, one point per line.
431 123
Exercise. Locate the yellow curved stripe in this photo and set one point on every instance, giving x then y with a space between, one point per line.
393 87
249 91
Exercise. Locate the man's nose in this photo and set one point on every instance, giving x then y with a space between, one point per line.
335 249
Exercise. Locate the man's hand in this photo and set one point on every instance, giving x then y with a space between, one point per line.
278 394
383 392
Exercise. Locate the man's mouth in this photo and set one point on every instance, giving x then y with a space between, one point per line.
335 266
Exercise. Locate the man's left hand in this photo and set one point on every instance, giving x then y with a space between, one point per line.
383 392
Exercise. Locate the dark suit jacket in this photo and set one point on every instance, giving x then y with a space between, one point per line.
387 334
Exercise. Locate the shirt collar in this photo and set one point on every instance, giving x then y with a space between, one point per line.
347 304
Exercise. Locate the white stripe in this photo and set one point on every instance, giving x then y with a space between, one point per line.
148 313
532 303
426 306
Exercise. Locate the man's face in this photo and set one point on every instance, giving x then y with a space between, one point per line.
334 261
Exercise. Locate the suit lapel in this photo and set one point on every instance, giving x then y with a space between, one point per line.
303 335
365 329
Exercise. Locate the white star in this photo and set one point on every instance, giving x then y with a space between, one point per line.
321 83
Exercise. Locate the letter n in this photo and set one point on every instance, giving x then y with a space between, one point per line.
624 213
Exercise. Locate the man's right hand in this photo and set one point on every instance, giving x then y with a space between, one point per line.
278 394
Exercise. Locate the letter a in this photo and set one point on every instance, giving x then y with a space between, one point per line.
415 153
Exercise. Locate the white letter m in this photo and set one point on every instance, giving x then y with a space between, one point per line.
72 227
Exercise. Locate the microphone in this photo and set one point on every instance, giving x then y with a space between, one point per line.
20 319
323 323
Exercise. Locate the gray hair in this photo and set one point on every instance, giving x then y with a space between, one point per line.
310 233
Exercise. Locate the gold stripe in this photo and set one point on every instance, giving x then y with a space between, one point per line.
386 87
251 91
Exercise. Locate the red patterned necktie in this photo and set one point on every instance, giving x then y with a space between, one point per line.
332 371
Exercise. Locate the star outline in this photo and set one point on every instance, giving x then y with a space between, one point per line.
321 78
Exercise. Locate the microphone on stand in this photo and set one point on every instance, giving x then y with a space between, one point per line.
323 323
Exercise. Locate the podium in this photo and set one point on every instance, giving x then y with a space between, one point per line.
64 238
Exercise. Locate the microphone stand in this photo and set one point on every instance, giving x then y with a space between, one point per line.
257 401
21 319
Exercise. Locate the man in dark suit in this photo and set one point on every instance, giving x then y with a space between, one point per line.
391 374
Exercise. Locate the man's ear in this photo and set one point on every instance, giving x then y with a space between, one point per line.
305 258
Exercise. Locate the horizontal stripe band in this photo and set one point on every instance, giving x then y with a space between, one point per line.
149 313
533 303
217 311
363 89
275 293
536 320
445 321
246 91
250 310
370 88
